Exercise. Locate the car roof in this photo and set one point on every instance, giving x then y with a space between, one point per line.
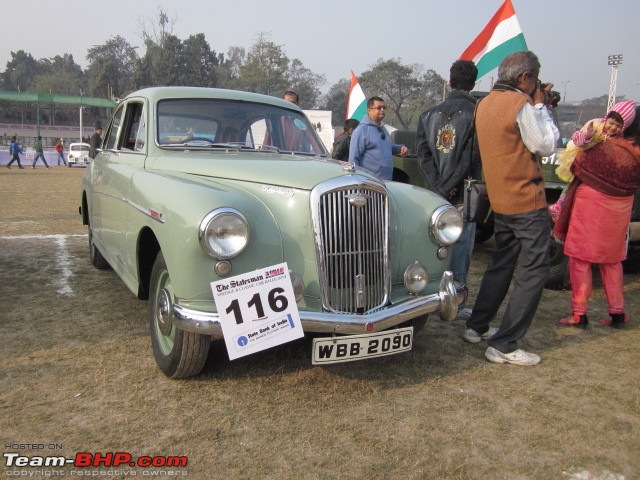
155 94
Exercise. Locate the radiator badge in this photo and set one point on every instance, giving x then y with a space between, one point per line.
357 200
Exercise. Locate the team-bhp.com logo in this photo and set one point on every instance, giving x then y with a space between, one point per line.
85 459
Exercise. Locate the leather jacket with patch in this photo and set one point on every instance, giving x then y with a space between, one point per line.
446 150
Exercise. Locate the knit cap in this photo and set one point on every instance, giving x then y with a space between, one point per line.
627 111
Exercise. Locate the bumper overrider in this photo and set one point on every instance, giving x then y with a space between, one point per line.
445 302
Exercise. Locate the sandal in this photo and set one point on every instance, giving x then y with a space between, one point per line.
578 321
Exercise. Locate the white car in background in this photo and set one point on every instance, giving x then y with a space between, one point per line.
78 155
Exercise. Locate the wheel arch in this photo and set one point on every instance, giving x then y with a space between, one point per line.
148 248
85 209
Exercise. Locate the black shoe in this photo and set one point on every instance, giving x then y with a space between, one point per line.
618 320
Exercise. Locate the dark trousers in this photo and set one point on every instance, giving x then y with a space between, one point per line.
521 241
15 158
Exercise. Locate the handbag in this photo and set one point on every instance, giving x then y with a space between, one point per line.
475 207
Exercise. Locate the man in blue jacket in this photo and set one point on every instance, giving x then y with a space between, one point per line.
15 151
447 155
370 146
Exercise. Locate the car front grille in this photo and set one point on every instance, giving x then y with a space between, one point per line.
351 233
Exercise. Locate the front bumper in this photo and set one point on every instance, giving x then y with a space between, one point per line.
450 295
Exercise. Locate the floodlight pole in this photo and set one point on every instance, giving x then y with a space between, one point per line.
614 61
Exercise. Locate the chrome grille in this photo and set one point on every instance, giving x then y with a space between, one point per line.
351 240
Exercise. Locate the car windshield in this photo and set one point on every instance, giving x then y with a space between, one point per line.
211 123
79 148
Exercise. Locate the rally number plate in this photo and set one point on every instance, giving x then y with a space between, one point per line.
358 347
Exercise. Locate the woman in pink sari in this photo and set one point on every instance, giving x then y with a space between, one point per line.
594 222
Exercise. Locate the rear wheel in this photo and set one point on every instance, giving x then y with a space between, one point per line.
179 354
632 263
558 267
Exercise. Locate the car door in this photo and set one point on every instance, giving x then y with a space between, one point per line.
123 155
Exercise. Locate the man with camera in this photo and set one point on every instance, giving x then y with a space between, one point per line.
514 130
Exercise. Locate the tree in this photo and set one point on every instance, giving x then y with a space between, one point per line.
111 68
306 84
20 72
265 69
171 61
406 90
200 62
60 75
336 101
228 71
167 62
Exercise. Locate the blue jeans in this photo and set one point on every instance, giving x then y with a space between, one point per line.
461 254
61 157
39 155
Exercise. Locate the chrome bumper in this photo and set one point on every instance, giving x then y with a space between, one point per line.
446 302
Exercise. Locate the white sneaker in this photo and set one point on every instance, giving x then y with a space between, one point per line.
518 357
471 336
464 314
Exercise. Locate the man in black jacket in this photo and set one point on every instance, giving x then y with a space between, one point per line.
341 145
95 141
447 155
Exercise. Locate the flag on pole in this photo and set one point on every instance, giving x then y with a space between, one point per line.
500 38
356 101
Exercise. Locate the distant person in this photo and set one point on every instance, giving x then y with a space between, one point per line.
371 146
15 151
37 146
95 141
447 155
594 221
60 149
291 96
514 130
341 145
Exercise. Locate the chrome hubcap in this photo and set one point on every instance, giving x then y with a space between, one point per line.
163 313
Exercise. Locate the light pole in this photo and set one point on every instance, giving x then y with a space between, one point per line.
564 85
614 62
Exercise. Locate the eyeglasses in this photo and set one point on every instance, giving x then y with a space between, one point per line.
379 107
382 135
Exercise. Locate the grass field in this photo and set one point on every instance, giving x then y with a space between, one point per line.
77 375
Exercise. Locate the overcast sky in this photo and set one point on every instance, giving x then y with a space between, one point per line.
572 38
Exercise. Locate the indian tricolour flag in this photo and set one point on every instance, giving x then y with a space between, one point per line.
356 101
500 38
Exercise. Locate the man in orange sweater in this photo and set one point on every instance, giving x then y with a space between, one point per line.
514 131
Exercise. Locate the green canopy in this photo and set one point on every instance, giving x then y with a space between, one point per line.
36 97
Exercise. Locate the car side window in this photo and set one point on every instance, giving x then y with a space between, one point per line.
112 135
133 130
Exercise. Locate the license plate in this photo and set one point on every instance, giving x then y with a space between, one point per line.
358 347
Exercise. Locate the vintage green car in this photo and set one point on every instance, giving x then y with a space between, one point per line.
194 185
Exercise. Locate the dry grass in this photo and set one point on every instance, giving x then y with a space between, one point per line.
77 370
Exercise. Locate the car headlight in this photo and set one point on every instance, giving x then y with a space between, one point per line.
446 225
224 233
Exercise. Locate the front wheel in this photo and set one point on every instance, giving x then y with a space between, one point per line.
97 260
179 354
